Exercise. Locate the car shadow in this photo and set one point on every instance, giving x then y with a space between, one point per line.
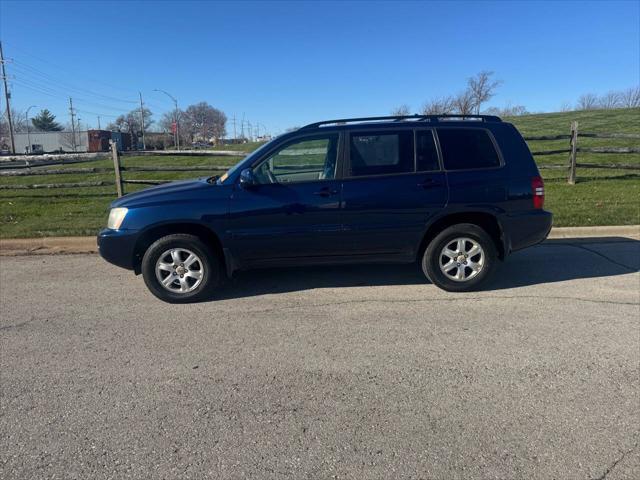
555 260
559 260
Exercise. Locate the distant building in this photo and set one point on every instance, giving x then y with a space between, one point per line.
84 141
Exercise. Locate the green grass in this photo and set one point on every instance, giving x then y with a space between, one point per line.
601 197
83 211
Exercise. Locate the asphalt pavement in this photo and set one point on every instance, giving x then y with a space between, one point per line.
346 372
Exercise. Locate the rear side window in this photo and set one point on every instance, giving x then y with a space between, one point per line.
467 148
381 153
426 153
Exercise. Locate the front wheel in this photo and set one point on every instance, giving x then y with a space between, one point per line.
180 269
460 258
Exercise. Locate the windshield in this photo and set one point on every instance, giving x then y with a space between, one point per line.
232 170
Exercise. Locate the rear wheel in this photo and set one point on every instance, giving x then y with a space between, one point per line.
180 268
460 258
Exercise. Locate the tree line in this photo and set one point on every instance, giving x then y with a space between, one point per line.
44 121
199 122
483 87
629 98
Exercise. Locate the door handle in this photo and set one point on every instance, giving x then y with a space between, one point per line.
430 183
325 192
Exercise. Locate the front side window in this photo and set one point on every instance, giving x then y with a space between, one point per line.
467 148
381 153
304 160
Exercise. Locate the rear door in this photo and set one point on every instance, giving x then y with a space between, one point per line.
475 168
393 184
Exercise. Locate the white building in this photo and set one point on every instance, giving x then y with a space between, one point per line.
49 142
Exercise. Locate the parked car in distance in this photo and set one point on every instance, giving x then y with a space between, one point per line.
456 194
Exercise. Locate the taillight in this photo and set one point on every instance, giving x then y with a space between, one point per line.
537 187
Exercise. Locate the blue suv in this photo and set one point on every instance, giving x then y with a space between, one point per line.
453 193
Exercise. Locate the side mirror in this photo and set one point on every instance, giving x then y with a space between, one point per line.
247 178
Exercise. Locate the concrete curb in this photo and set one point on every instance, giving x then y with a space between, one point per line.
67 245
47 245
628 231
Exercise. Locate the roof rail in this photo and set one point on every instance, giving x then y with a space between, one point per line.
399 118
453 116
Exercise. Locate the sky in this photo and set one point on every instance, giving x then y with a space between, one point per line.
284 64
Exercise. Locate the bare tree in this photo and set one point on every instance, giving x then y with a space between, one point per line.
165 125
439 106
610 100
166 121
401 111
72 140
465 103
482 88
507 111
130 122
203 122
630 98
69 140
566 107
17 118
588 101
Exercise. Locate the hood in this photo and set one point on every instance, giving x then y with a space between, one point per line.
164 191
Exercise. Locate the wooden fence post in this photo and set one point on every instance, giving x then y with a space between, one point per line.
573 142
116 167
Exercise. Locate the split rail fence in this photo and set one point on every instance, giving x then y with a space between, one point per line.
573 151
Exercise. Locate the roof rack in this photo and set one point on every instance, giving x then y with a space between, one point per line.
400 118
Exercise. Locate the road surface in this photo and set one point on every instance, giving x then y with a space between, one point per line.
350 372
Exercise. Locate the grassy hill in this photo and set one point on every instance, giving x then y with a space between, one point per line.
601 197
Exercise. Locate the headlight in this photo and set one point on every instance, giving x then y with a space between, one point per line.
116 216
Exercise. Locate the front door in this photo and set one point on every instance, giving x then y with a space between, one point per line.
294 210
393 185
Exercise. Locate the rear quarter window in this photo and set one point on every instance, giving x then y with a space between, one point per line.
467 148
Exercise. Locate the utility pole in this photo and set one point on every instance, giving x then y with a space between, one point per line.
242 127
234 127
144 147
177 126
73 123
250 132
7 96
176 133
98 122
28 129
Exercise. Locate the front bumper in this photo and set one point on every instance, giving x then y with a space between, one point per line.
118 247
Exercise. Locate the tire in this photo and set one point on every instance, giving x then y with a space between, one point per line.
480 264
192 281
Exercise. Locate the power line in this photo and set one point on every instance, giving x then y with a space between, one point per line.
61 95
56 91
28 70
96 113
65 69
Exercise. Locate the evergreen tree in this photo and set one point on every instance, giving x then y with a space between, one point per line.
45 122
